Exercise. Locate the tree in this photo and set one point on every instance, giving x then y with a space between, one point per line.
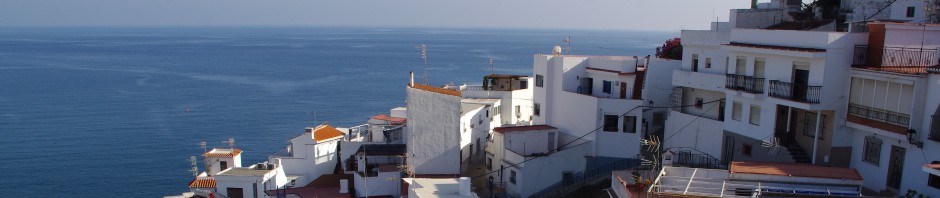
671 49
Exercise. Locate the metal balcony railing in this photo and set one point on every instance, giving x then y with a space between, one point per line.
744 83
795 92
871 113
894 56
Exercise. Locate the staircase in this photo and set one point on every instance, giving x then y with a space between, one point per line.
798 154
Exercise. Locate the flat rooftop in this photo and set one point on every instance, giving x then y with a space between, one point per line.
243 171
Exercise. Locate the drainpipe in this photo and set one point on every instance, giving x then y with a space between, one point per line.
816 135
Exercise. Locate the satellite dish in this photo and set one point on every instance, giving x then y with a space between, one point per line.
556 50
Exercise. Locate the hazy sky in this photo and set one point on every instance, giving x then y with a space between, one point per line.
552 14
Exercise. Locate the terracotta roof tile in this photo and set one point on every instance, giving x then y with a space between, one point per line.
896 69
436 89
202 183
325 132
222 153
393 120
776 47
794 170
523 128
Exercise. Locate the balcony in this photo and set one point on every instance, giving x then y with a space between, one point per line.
795 92
879 118
895 59
744 83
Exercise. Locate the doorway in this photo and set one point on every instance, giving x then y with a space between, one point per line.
623 90
587 86
895 167
800 84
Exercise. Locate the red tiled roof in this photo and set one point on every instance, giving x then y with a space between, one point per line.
324 186
794 170
523 128
202 183
776 47
391 119
611 71
325 131
234 152
436 89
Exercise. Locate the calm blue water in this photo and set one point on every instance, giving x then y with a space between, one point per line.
103 112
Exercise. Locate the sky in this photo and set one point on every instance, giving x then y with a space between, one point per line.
653 15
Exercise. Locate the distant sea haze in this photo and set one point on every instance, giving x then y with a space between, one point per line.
116 112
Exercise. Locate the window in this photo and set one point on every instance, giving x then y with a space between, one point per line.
910 12
935 126
489 163
254 190
755 115
537 109
699 102
538 80
512 176
629 124
694 62
518 111
487 113
708 62
607 87
223 165
523 84
736 111
746 150
872 150
610 123
739 65
809 125
234 192
933 180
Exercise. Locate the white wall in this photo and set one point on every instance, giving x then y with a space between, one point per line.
310 159
434 121
545 171
271 180
385 183
701 134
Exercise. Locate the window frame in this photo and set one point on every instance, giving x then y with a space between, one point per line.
539 80
752 114
607 86
911 12
610 123
629 122
536 109
871 150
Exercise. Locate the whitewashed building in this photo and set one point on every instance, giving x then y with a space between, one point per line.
253 181
893 108
309 154
433 129
529 159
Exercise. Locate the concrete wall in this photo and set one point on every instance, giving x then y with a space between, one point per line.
542 172
434 124
385 183
756 18
215 163
701 134
270 181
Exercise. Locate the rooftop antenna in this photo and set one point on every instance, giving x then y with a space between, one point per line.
231 142
192 162
424 57
567 42
314 116
202 144
492 69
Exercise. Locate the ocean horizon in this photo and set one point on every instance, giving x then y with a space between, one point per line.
118 111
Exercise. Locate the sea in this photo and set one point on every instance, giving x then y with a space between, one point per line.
118 111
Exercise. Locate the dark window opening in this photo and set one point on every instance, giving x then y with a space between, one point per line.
523 84
539 80
934 180
223 165
629 124
537 109
607 87
910 11
512 176
746 150
699 102
872 150
610 123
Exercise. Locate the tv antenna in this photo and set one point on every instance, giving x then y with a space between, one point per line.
492 69
202 144
192 162
567 42
231 142
424 57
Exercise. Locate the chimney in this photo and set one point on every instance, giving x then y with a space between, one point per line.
343 186
412 82
464 183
